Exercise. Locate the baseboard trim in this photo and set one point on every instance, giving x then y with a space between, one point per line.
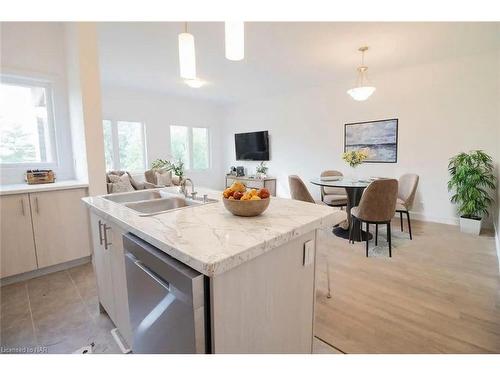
442 220
497 242
44 271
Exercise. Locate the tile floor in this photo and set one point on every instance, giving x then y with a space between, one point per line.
56 313
59 313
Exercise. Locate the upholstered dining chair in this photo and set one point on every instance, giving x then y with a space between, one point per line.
332 196
299 191
406 195
377 206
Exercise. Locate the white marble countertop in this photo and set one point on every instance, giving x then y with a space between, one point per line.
210 239
25 188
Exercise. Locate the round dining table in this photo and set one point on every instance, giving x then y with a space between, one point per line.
354 190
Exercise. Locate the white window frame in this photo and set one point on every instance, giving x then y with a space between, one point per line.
116 151
48 85
190 146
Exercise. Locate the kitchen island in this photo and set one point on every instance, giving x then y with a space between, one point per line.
260 271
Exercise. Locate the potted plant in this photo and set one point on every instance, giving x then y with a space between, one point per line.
261 170
472 182
354 158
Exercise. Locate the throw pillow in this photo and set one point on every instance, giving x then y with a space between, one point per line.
164 178
120 184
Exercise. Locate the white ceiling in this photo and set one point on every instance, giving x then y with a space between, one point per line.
278 56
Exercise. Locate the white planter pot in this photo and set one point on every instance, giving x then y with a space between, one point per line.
471 226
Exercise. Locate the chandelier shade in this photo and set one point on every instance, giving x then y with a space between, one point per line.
363 90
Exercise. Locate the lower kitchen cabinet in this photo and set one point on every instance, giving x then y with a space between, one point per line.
42 229
109 265
17 248
60 226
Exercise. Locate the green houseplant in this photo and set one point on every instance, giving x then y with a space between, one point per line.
261 170
472 182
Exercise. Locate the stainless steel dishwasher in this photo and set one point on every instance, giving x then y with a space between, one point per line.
166 298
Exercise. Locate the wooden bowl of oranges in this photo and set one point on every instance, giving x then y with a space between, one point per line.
242 202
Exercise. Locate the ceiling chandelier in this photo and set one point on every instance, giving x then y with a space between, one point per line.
363 90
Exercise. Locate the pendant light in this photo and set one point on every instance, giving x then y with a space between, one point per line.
363 90
187 57
235 40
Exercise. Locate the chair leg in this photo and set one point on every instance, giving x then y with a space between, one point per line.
401 219
409 224
350 231
389 238
367 237
376 234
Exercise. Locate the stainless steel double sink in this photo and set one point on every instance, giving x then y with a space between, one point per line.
155 201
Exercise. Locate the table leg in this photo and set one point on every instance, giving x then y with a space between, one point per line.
353 198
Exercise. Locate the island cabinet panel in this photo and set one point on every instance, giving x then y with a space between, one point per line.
17 247
109 266
101 260
266 305
122 316
60 226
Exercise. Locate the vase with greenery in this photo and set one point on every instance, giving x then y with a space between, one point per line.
261 170
354 158
472 183
176 167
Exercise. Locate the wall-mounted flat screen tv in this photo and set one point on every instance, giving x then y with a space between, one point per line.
252 146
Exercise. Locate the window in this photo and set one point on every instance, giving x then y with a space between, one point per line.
26 121
124 145
191 145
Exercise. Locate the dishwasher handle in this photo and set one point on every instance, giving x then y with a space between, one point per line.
147 271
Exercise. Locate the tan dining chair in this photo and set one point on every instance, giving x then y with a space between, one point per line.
332 196
299 191
406 195
377 206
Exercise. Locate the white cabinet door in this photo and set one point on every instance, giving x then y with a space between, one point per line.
122 317
102 265
60 226
17 248
109 265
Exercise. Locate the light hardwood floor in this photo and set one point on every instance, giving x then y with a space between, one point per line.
439 293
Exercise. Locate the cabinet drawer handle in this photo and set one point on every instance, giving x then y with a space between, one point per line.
22 207
37 209
106 243
100 233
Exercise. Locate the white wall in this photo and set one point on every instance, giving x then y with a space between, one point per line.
84 95
443 108
497 234
36 49
158 111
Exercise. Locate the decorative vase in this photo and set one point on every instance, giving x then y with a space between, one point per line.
470 226
354 174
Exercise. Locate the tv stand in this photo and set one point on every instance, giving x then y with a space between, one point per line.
253 182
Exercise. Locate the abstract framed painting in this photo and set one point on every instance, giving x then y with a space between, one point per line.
379 138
